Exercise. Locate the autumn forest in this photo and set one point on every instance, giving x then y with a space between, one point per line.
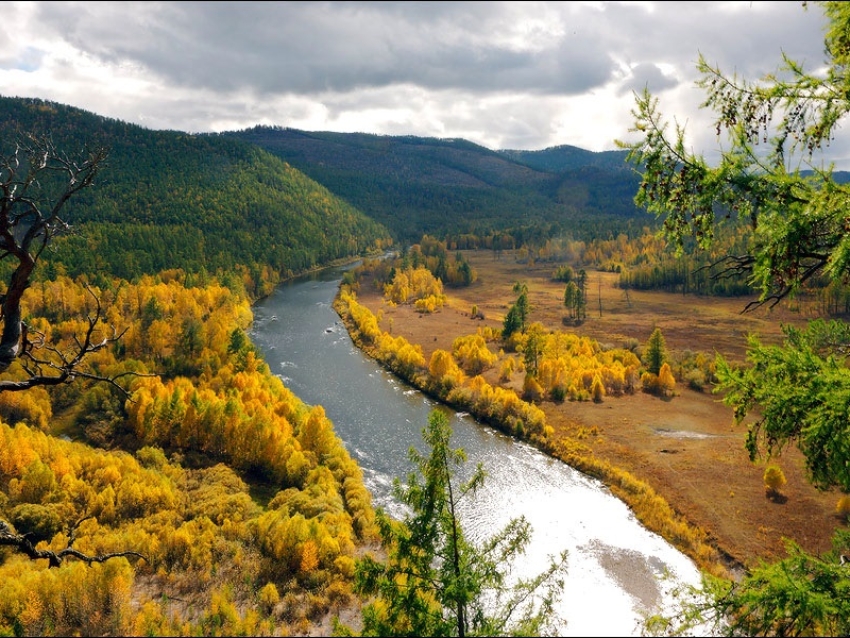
157 479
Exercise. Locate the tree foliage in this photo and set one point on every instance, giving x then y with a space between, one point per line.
800 595
435 582
799 391
215 403
767 177
656 352
770 182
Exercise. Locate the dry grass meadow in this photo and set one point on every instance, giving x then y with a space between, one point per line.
686 447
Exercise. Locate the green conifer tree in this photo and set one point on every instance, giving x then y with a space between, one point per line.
437 583
795 224
656 352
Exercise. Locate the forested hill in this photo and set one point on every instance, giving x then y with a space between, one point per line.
168 199
415 185
565 158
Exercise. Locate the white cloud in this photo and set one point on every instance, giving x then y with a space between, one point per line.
524 75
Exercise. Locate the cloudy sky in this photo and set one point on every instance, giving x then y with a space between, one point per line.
506 75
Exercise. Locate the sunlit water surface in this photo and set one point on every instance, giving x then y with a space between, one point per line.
617 570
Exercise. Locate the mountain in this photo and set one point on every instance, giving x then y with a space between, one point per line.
561 159
168 199
289 200
422 185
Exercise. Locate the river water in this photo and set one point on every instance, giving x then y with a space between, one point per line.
617 569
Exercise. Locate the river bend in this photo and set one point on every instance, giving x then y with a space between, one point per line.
617 569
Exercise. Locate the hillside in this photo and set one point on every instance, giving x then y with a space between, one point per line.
451 187
245 511
560 159
168 199
200 494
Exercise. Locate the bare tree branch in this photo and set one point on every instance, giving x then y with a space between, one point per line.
24 544
31 202
36 181
47 365
738 266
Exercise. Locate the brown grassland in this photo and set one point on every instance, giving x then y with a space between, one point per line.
687 447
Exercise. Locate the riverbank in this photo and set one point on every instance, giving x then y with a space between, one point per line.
682 452
615 563
527 422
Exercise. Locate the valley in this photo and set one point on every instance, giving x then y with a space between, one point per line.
686 447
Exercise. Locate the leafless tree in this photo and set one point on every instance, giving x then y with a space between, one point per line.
36 182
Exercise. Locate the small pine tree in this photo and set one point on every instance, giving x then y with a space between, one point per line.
572 296
522 305
512 323
437 583
656 352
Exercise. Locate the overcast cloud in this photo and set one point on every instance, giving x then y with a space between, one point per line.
506 75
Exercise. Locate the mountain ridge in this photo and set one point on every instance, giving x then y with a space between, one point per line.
168 199
312 197
420 185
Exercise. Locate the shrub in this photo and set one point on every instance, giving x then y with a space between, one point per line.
507 369
842 508
695 380
774 480
666 380
531 389
649 382
268 597
597 390
558 393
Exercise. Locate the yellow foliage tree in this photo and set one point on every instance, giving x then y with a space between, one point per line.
444 370
597 389
774 481
309 557
666 381
472 354
531 389
507 369
413 284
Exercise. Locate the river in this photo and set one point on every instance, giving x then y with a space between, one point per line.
617 569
